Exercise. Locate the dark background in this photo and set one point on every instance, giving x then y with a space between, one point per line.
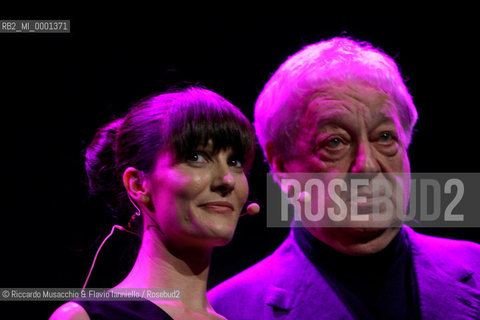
56 89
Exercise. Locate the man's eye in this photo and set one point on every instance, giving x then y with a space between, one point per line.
386 136
334 142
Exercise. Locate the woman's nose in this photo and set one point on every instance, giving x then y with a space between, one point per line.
229 180
224 180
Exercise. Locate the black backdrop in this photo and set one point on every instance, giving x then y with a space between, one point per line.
56 89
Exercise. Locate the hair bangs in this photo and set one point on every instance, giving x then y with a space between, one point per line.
210 118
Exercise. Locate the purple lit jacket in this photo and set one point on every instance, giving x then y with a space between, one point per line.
286 285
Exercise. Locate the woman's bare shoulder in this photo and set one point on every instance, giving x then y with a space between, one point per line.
70 311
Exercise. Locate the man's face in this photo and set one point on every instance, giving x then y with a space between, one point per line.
352 129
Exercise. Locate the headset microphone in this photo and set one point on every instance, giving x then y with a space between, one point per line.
252 209
304 196
115 226
98 251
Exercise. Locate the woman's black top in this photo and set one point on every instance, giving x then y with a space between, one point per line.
128 309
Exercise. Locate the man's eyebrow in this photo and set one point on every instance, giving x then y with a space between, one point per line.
341 118
335 117
384 117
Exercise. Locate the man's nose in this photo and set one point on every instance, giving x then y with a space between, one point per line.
365 161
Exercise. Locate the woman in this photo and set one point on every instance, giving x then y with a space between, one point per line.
180 158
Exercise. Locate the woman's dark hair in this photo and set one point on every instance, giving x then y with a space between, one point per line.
177 122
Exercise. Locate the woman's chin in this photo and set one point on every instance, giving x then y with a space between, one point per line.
213 237
222 237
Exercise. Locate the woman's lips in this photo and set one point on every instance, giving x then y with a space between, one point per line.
218 206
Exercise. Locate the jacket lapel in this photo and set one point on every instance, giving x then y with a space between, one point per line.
298 290
442 295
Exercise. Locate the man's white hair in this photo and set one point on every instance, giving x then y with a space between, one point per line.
286 95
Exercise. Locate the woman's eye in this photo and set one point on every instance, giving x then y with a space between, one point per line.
196 157
237 163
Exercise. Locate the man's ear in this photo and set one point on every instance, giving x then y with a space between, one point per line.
136 185
276 161
274 158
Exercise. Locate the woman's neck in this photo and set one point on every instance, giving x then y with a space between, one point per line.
161 266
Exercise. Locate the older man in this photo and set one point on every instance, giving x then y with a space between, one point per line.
340 106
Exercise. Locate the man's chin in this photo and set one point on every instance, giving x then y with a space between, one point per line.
364 232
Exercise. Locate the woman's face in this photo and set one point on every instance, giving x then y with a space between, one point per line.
197 201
